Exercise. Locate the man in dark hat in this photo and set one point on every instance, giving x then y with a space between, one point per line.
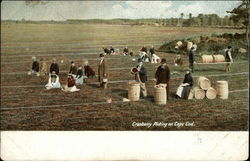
141 77
54 67
162 75
73 69
228 58
191 59
103 72
35 66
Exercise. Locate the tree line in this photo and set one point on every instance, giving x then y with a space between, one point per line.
202 20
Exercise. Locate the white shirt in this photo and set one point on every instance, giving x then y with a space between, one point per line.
230 55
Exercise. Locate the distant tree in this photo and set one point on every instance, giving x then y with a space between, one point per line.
180 21
182 15
241 13
190 20
190 15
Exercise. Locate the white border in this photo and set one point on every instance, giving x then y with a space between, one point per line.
127 145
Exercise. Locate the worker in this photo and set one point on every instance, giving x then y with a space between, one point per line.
162 76
103 72
191 59
35 67
73 69
228 58
183 90
53 81
54 67
141 77
178 61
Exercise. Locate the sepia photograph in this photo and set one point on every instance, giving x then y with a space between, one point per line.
125 66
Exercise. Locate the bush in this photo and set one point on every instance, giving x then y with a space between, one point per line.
214 44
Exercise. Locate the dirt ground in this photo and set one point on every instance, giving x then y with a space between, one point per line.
27 105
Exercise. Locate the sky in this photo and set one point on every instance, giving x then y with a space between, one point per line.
62 10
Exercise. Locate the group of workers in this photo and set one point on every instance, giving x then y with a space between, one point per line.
153 58
77 75
162 76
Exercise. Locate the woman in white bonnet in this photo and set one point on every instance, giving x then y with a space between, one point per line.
53 81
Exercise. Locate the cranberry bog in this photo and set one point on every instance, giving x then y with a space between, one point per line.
27 105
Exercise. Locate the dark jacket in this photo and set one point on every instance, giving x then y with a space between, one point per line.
88 71
142 74
125 50
54 67
162 74
152 51
73 70
35 66
79 73
188 79
112 50
191 57
106 50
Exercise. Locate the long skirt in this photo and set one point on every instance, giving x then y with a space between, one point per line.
53 85
183 91
70 89
79 80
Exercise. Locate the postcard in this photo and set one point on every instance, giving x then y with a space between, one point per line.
124 80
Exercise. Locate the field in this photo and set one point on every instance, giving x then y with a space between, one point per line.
27 105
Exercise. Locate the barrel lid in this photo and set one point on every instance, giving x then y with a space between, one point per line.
133 83
221 81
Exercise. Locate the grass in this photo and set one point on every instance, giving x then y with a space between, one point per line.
52 39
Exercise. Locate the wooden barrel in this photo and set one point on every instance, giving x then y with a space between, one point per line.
134 91
203 83
189 45
207 59
160 95
222 89
198 93
211 93
219 58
